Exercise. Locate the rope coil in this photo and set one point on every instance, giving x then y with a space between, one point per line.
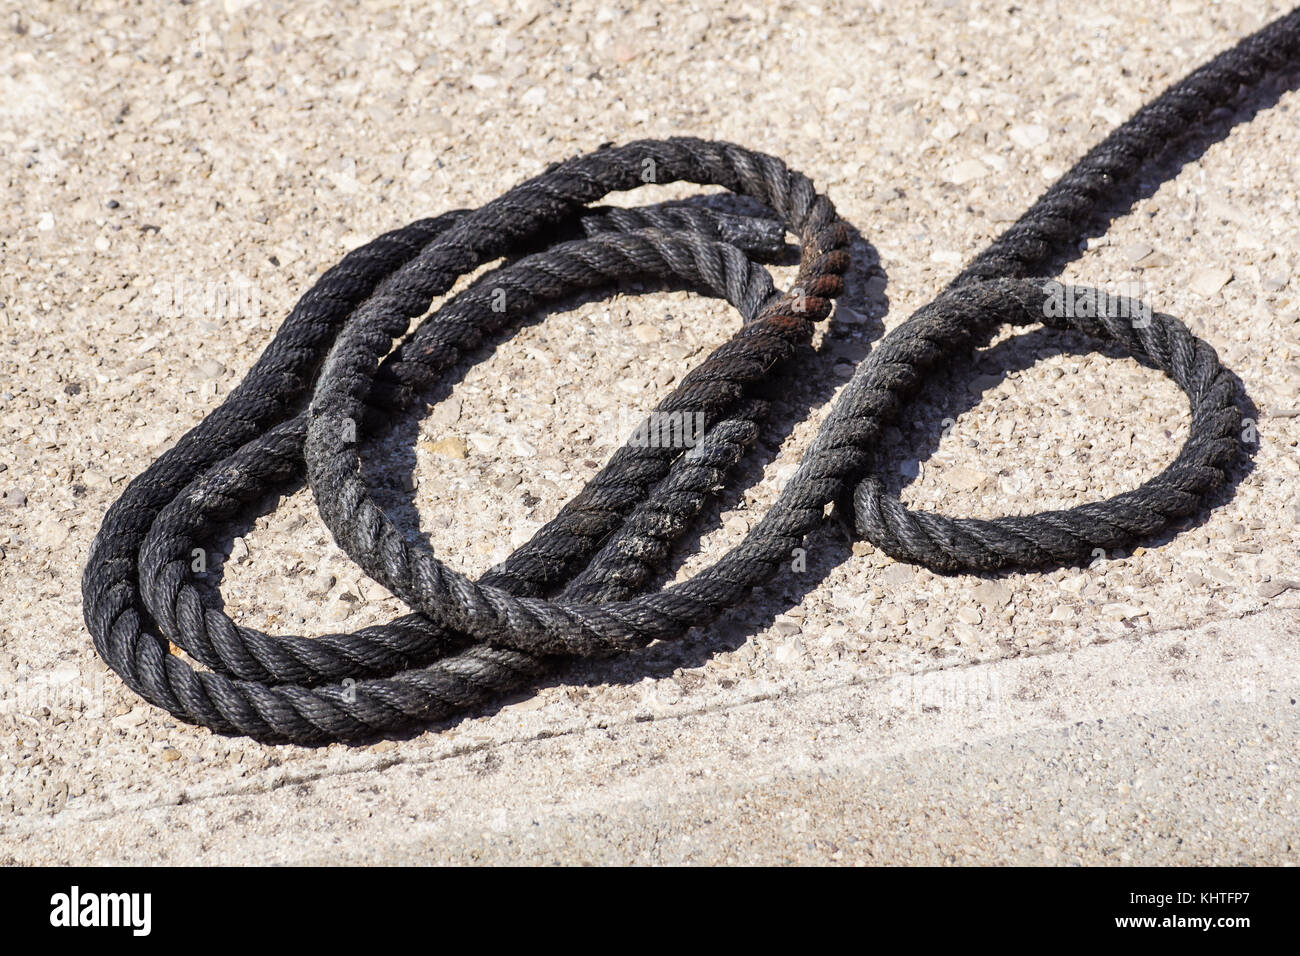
332 378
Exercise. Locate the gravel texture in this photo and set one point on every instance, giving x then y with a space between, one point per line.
178 175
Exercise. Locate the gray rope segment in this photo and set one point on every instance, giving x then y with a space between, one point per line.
1053 224
644 542
573 588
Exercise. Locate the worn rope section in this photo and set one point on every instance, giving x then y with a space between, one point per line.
573 588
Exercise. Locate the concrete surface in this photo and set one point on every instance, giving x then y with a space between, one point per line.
1176 748
1139 710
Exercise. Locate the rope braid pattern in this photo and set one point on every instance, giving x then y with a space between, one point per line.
570 589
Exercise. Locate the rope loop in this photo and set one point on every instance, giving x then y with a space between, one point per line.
1060 537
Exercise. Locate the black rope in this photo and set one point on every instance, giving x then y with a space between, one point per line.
331 378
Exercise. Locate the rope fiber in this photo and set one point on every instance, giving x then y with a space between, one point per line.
346 362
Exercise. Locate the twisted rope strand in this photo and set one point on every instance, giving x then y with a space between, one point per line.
573 588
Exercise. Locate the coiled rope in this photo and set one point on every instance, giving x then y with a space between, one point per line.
331 377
